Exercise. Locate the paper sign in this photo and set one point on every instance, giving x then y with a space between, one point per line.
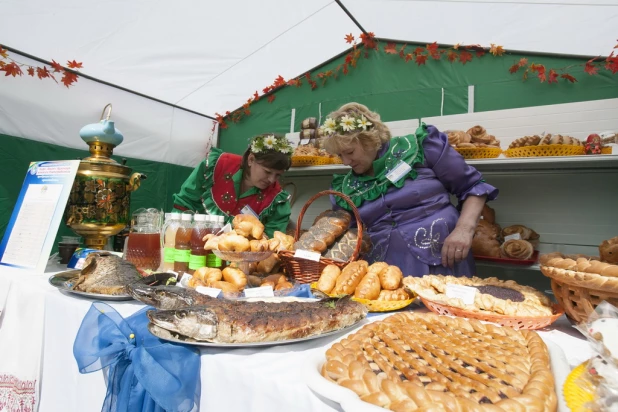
248 211
30 234
306 254
304 141
514 236
204 290
399 171
261 292
465 293
225 229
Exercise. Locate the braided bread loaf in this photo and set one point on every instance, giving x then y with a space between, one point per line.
550 139
583 264
344 247
525 141
327 227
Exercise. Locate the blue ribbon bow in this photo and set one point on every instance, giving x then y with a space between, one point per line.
146 374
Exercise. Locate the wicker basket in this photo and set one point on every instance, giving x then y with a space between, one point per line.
579 293
515 322
378 305
336 160
308 271
479 152
545 150
575 395
606 150
303 161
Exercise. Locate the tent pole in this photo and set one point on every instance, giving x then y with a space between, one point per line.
346 11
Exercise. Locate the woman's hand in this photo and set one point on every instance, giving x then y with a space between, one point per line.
457 245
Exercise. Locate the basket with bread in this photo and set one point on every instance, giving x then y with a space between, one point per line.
378 286
309 155
512 244
253 255
580 282
475 143
330 241
545 145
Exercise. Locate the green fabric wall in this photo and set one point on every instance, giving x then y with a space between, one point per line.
399 90
16 154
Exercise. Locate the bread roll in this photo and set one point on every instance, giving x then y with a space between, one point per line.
482 245
258 245
608 250
254 281
283 285
397 294
328 278
248 226
224 286
236 277
195 282
207 275
286 242
276 278
391 278
269 264
377 267
233 243
517 249
478 134
268 283
350 277
369 287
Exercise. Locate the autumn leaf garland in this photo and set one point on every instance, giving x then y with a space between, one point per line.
11 67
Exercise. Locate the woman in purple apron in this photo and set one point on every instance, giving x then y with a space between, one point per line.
402 186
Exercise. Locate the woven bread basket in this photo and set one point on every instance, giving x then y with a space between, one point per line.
308 271
545 150
479 152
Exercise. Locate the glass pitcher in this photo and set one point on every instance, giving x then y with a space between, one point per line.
144 241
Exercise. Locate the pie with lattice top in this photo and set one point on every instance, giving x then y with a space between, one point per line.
428 362
492 295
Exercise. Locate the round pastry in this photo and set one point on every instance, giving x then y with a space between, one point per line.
517 249
235 276
248 226
455 137
524 232
504 298
233 243
608 250
525 141
478 134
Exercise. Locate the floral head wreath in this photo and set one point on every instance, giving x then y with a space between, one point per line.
266 142
346 123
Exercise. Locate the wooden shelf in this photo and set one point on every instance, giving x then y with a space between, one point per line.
499 165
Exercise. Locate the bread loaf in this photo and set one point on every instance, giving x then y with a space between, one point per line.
457 137
397 294
483 245
327 227
236 277
328 278
608 250
350 277
248 226
525 141
369 287
517 249
343 248
524 232
579 264
390 278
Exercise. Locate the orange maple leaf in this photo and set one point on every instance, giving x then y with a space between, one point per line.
420 59
496 50
465 57
266 89
247 112
227 113
402 51
72 64
279 81
433 50
568 77
480 53
540 70
56 66
271 98
419 50
345 69
409 57
514 68
522 62
42 72
12 69
590 68
369 40
349 38
451 56
31 71
611 63
313 84
256 96
390 48
553 76
4 53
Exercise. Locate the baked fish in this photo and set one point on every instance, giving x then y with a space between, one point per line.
106 274
250 322
169 297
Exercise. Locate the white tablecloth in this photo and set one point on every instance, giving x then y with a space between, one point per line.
234 380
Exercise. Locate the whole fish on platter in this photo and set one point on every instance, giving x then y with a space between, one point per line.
224 321
169 297
106 274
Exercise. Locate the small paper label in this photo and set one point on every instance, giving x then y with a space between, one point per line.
225 229
304 141
465 293
248 211
204 290
306 254
399 171
261 292
514 236
80 263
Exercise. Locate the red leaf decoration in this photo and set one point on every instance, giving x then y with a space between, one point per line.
4 53
31 71
568 77
12 69
452 56
68 78
390 48
514 68
409 57
74 65
279 81
271 98
522 62
349 38
465 57
56 66
553 76
590 68
420 59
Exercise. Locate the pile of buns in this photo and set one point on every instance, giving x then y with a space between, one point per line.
310 150
489 238
247 235
330 236
379 281
232 280
545 140
476 136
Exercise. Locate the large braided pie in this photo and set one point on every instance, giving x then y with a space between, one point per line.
426 362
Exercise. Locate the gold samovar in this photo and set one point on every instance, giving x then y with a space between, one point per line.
100 199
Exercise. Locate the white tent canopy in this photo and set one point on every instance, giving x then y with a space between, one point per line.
210 56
